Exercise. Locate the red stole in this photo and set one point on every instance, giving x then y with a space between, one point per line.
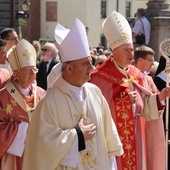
11 114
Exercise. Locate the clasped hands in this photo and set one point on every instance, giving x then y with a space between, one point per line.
88 129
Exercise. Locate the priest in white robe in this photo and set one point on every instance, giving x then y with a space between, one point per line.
72 128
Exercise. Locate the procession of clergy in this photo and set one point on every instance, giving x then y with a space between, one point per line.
82 117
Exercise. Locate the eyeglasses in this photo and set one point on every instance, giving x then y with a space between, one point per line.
12 38
152 61
44 49
30 70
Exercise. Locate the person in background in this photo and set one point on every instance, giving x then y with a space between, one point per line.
17 101
4 72
160 75
48 56
100 59
37 47
155 139
94 57
107 53
142 26
72 127
130 102
10 36
154 69
160 81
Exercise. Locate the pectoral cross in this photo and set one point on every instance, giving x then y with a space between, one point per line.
12 91
129 81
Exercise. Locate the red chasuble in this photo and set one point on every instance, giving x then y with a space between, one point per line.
11 115
115 88
4 77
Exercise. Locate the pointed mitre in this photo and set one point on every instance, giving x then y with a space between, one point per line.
22 55
117 30
72 44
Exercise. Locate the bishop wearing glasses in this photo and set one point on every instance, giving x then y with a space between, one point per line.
17 102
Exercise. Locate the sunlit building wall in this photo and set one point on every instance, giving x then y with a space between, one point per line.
91 12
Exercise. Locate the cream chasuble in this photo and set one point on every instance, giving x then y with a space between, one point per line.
52 134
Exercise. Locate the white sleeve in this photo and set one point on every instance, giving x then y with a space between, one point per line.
113 164
137 27
150 110
71 159
18 144
56 71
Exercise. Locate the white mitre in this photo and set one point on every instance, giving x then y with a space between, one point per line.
117 30
22 55
72 44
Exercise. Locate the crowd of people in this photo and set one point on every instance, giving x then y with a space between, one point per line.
64 105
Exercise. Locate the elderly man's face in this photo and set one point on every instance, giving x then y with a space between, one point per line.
124 54
47 53
26 76
80 71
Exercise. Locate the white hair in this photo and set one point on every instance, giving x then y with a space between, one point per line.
52 47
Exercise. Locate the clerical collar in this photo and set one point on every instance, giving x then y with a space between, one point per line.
123 68
76 92
25 92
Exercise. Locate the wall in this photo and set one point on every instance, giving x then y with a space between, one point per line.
31 29
88 11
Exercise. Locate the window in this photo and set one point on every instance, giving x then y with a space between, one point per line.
103 9
128 8
103 41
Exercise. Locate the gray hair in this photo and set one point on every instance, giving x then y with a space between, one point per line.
64 64
52 47
141 11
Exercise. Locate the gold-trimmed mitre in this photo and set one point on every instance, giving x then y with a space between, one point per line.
22 55
117 30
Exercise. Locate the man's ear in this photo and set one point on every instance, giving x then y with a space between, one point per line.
15 74
140 59
114 53
69 68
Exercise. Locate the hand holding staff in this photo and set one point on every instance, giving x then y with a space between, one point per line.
165 54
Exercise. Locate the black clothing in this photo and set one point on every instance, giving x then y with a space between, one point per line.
42 75
160 83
